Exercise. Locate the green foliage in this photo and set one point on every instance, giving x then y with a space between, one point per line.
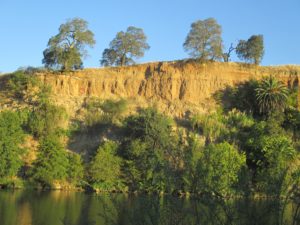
251 50
22 85
94 114
211 125
191 176
46 119
66 49
241 97
148 139
149 126
114 109
107 112
292 122
136 170
75 168
11 137
124 47
105 168
204 40
271 95
52 162
219 168
237 124
274 174
145 176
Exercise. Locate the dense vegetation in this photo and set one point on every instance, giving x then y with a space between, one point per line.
250 145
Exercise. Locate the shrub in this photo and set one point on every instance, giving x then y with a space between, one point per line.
105 168
219 168
23 86
52 161
11 137
75 168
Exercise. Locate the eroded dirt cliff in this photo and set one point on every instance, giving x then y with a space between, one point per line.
176 88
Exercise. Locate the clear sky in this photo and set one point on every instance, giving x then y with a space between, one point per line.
27 25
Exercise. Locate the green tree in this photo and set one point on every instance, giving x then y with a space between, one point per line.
11 137
52 162
191 176
219 168
75 169
105 168
124 47
204 40
251 50
148 139
66 49
46 118
271 95
274 175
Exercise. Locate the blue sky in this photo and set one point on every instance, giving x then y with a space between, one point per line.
27 25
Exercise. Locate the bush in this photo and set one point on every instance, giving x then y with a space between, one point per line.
75 168
149 148
105 168
211 125
47 119
52 162
11 137
23 86
219 167
274 174
107 112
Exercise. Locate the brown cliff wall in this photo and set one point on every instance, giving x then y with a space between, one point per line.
175 87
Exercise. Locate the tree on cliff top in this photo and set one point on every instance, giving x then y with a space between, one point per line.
124 47
66 49
251 50
204 40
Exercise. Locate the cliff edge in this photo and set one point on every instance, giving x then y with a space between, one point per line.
176 88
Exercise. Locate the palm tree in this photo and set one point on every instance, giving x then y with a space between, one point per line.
271 95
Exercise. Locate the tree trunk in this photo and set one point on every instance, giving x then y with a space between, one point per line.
123 60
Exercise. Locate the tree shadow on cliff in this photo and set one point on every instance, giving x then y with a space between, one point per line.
85 140
150 71
241 97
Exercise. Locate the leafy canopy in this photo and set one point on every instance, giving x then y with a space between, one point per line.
251 50
204 40
66 49
125 47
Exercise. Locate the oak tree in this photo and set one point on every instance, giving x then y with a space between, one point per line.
125 47
204 40
251 50
66 49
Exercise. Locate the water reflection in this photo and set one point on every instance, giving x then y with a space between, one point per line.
70 208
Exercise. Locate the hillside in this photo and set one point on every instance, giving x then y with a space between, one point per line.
176 88
112 144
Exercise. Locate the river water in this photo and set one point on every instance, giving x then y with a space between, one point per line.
72 208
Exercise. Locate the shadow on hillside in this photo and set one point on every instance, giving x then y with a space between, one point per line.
241 97
86 140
